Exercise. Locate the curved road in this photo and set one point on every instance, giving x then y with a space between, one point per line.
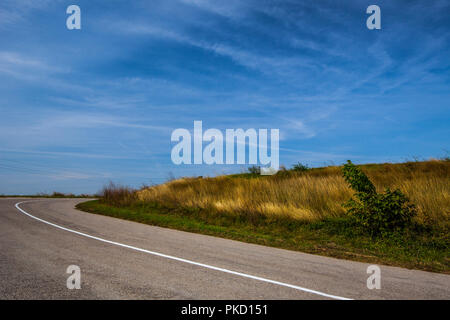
120 259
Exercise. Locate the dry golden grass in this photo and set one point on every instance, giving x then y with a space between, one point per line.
312 195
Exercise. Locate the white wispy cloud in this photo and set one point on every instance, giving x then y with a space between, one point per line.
68 175
272 64
24 67
17 11
229 8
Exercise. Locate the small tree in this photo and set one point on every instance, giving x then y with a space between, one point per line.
378 213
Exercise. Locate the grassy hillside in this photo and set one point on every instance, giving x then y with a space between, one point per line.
300 210
309 195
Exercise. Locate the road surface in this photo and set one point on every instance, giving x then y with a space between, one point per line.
121 259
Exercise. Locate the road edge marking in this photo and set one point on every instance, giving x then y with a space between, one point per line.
207 266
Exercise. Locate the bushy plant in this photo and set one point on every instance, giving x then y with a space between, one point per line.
254 170
58 195
118 195
300 167
377 213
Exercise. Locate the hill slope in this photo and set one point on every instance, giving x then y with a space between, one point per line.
300 211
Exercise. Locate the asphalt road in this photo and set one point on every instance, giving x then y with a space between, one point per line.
126 260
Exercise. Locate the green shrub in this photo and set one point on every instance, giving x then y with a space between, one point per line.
376 213
58 195
300 167
254 170
357 180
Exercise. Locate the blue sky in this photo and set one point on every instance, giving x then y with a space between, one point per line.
82 107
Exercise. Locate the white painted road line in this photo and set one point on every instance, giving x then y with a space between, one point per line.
244 275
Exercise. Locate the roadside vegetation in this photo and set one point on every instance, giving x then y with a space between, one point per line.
395 214
51 195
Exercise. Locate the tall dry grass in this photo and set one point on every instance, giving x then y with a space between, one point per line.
310 196
118 195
